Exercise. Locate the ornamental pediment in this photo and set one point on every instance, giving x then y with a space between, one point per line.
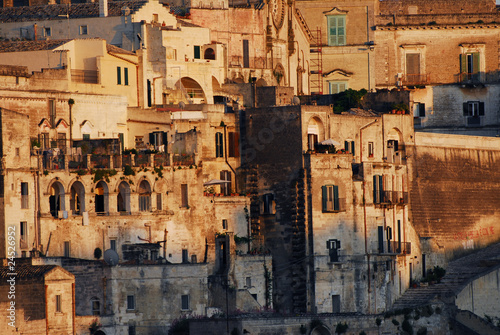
336 11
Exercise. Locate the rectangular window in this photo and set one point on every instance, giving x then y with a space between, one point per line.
350 147
47 32
96 307
118 75
184 195
155 17
83 30
248 282
219 145
185 256
24 231
58 303
335 303
197 52
246 54
268 204
226 188
145 202
337 86
224 224
336 30
24 196
130 302
52 112
125 75
370 149
378 189
418 109
67 249
185 302
473 108
470 66
331 201
234 144
159 206
112 244
86 136
412 64
43 138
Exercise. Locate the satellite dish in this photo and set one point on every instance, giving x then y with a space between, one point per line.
111 257
296 100
182 104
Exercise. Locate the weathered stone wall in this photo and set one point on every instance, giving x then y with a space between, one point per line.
481 296
395 7
454 190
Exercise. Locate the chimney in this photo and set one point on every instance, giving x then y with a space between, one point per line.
103 8
35 31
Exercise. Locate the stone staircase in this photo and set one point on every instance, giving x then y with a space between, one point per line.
458 274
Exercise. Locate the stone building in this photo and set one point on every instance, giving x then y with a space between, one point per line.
39 300
335 215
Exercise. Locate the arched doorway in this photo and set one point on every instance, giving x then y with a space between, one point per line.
315 133
56 199
123 198
101 198
320 330
77 198
144 196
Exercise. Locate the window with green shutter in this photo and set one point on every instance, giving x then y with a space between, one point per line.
219 145
470 66
336 30
197 52
330 195
378 189
118 75
125 75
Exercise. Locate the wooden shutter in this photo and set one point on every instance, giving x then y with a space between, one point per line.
466 108
475 62
375 189
481 108
463 63
152 138
164 139
325 197
421 109
353 150
381 187
119 75
380 239
197 52
336 205
412 63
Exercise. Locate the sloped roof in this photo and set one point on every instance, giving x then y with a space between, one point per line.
16 46
25 271
116 50
52 12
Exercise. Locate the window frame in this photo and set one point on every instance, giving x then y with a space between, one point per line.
184 196
471 111
219 144
330 198
337 83
131 304
24 195
337 39
47 31
185 302
58 303
67 249
83 29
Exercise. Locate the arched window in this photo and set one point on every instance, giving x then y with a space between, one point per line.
101 199
56 199
209 53
123 200
144 196
77 198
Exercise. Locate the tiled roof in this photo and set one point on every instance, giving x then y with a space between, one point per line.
116 50
25 271
30 45
58 12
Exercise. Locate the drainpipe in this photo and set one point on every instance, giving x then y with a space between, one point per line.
73 306
46 310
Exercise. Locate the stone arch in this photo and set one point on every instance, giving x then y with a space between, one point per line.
123 198
321 330
101 198
315 132
215 84
144 190
261 83
191 89
77 198
209 53
56 198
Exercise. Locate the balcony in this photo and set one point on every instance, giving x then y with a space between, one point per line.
469 78
391 198
338 205
400 198
415 79
183 159
400 248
